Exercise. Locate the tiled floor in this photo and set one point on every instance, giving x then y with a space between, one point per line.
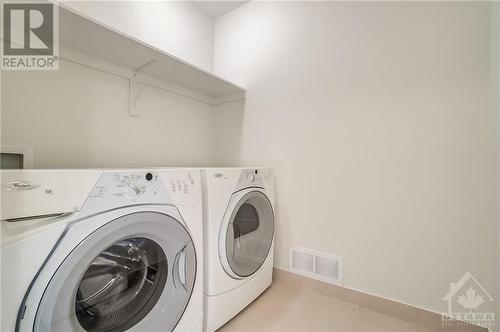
286 308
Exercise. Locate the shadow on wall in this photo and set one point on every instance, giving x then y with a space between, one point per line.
228 130
282 233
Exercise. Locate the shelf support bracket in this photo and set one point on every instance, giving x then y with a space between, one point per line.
135 89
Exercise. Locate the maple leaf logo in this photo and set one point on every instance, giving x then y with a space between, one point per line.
470 300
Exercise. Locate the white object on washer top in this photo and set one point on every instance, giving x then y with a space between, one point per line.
28 193
16 231
38 193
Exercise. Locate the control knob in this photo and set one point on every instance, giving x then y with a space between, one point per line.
133 190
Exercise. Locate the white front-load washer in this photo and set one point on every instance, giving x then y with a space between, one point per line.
239 239
101 250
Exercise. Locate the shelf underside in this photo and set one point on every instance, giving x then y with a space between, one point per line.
85 36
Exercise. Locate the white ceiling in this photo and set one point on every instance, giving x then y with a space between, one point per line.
215 9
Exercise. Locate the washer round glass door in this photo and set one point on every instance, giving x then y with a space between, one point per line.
249 234
135 271
121 285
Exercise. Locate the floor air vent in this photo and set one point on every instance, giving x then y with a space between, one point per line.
317 265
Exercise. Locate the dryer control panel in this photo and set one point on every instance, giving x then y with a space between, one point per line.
254 178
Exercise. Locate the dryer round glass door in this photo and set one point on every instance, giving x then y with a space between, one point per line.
137 271
249 234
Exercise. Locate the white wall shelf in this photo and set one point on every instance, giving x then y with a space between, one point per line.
86 36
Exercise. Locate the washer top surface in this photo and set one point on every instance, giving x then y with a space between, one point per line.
35 200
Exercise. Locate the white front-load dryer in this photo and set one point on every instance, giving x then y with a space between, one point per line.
112 250
239 239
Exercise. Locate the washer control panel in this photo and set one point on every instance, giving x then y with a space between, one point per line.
134 185
181 183
130 185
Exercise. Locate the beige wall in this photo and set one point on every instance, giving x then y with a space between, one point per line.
375 118
78 117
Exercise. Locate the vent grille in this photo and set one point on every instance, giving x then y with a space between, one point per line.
318 265
303 261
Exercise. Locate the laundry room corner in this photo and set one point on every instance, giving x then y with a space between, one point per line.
249 166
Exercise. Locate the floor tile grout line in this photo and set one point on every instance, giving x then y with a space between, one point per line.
355 317
304 298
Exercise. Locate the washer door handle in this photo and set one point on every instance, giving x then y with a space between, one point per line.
180 266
